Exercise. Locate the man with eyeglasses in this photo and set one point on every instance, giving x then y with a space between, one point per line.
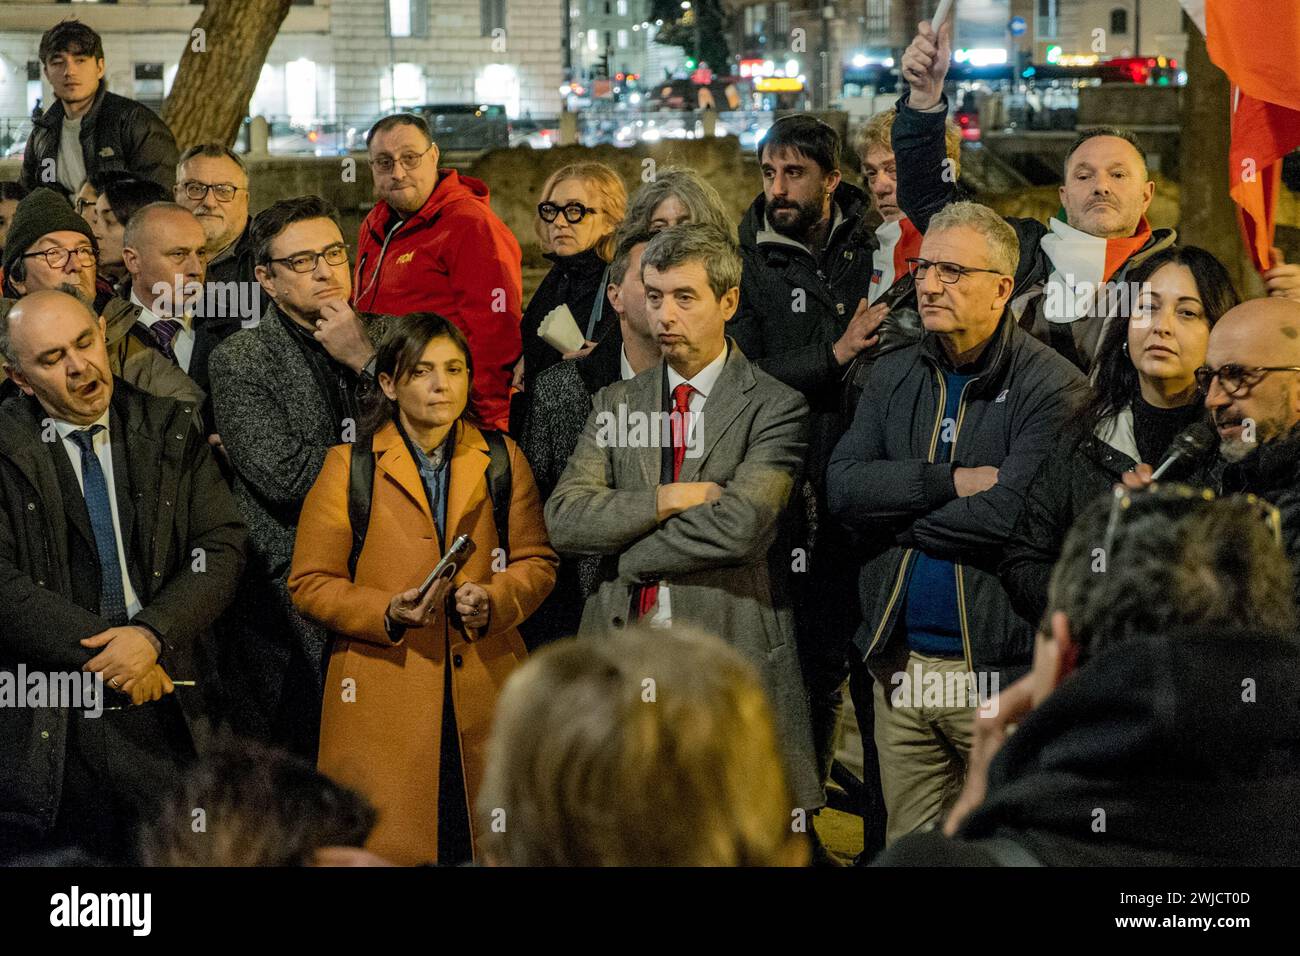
283 393
1251 383
931 474
212 182
88 128
51 247
433 244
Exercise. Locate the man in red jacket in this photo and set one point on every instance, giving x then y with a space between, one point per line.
433 244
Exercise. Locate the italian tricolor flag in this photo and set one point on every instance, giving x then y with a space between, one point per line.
1258 45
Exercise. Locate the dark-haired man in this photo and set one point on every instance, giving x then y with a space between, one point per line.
283 393
433 244
10 195
88 128
680 480
804 318
1106 191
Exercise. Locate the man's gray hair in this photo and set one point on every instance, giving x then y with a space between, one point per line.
211 151
1003 246
689 242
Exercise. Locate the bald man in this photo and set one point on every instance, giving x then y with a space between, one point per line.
119 545
163 250
1253 395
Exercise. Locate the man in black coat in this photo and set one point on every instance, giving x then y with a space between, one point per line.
119 545
807 246
1159 724
283 393
89 128
932 473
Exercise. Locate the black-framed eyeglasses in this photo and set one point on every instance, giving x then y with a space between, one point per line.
1237 379
949 272
386 164
574 212
1178 501
198 191
81 205
334 255
57 257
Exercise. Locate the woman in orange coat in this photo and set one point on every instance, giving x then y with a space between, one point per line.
398 724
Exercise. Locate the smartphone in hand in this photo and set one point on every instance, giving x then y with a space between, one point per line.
451 563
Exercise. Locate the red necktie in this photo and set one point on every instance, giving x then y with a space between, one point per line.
648 594
679 419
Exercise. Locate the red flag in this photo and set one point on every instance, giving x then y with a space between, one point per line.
1260 60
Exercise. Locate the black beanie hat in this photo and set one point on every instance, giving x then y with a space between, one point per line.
42 212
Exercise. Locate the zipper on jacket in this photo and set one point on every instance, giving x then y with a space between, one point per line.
907 554
961 580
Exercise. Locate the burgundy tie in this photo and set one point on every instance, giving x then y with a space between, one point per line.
648 594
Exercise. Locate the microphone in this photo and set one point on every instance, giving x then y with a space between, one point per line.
1189 443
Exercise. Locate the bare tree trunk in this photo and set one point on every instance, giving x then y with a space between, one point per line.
1208 216
220 68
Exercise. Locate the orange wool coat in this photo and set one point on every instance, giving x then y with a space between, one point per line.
381 719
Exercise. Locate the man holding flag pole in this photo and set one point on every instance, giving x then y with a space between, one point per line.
1100 234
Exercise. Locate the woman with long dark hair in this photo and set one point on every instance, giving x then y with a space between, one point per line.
1144 395
413 679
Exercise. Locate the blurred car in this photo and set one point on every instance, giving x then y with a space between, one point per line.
286 138
466 126
536 134
318 139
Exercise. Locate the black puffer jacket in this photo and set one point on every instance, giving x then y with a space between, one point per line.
883 481
116 133
1148 755
793 308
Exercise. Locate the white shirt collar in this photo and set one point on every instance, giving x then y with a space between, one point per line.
147 317
625 369
704 379
64 429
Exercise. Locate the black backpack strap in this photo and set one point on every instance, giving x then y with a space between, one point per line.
499 482
361 483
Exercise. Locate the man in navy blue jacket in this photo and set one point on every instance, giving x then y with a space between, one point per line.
932 474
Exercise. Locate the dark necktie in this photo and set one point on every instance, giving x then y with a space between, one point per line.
112 598
164 332
648 594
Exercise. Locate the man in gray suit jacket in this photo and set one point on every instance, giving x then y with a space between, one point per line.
681 478
284 392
